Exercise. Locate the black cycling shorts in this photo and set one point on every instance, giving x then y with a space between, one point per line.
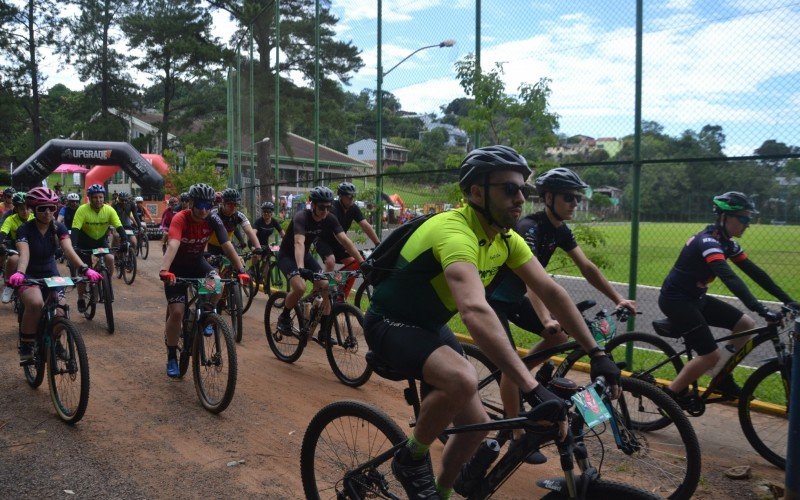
328 247
199 268
693 318
405 348
287 264
521 314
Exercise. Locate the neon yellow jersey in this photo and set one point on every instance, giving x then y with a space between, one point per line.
95 224
417 293
12 223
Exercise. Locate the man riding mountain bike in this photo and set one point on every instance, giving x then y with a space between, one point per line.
690 310
442 270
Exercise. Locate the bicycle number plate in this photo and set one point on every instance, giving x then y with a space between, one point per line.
275 248
129 232
591 407
58 281
100 251
338 278
603 330
226 261
210 286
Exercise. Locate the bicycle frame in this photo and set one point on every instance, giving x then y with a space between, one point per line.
759 335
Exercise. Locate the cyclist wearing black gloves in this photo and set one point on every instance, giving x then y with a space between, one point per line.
306 227
443 269
690 310
561 190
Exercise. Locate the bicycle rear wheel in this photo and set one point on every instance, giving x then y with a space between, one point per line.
214 364
488 384
602 490
341 437
346 346
234 307
363 296
764 410
128 266
286 346
666 462
108 299
68 371
34 371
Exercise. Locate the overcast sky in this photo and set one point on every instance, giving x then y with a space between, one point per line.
734 63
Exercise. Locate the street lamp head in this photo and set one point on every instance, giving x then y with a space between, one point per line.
447 43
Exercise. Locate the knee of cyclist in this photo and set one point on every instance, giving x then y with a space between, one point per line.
298 284
745 323
461 385
34 304
712 357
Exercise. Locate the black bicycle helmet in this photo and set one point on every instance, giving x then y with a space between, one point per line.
201 192
123 195
231 195
733 201
268 205
321 194
347 189
559 180
184 197
9 191
490 159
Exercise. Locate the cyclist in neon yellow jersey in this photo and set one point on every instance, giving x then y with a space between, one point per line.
8 237
89 228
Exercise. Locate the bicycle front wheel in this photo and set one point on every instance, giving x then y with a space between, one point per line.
249 292
665 462
363 296
235 309
91 304
214 363
108 300
488 384
128 266
144 246
601 490
346 346
286 346
764 410
68 371
339 439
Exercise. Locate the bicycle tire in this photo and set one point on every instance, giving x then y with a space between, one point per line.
342 436
144 246
249 291
363 296
346 346
488 384
108 300
188 330
602 489
234 307
667 462
286 348
68 376
34 372
767 434
91 305
209 363
128 266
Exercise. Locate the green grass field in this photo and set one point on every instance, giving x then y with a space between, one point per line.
774 248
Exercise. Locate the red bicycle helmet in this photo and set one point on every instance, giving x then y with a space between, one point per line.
41 196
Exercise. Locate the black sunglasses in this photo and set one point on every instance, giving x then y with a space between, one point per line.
511 189
744 219
569 197
45 208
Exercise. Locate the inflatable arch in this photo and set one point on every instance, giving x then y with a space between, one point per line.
57 151
101 173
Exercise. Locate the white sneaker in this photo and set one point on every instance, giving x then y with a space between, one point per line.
7 294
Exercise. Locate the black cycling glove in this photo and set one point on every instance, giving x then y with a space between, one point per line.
605 367
541 394
770 316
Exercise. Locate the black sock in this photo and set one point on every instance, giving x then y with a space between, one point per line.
172 353
286 312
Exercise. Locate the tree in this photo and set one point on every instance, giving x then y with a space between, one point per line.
522 121
89 47
24 34
199 167
175 37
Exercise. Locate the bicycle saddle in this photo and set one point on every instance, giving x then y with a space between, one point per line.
663 327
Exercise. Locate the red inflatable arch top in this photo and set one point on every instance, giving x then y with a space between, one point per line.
99 174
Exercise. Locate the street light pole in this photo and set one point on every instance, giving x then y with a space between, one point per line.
379 126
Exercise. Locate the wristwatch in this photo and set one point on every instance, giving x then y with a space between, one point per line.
594 350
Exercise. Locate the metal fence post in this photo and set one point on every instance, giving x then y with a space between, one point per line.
793 449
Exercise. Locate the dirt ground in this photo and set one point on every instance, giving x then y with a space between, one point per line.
146 436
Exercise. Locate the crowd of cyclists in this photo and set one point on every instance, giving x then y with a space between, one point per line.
484 261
